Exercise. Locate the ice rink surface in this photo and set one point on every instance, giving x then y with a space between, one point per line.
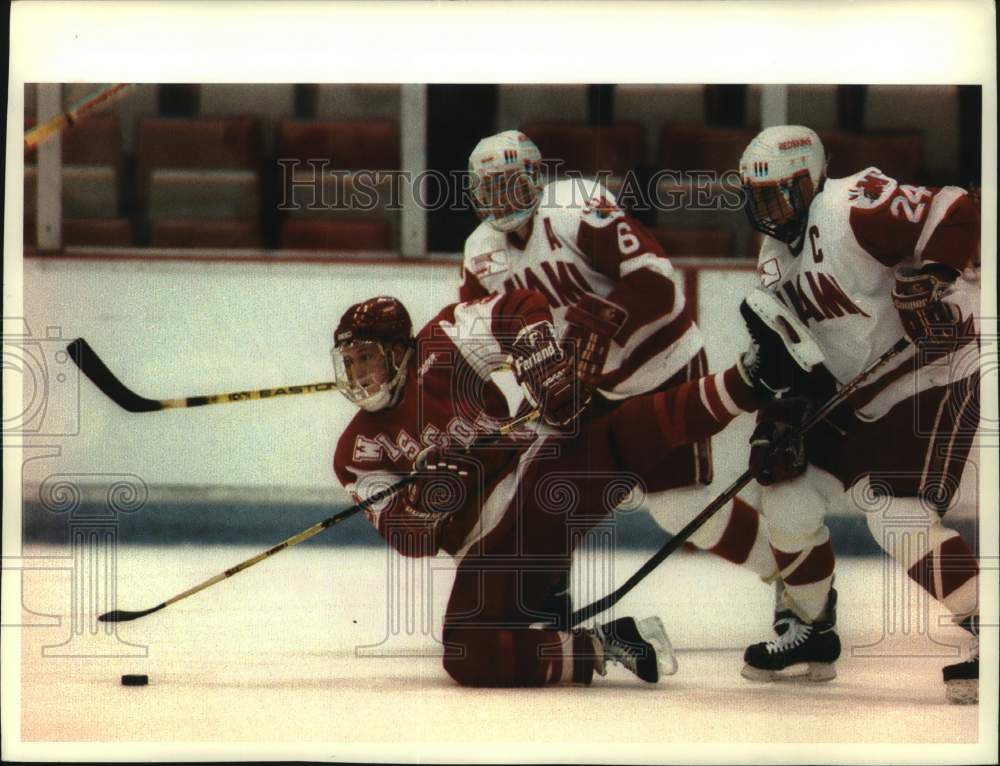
301 649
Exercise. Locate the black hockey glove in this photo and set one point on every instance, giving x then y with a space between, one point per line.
777 446
769 365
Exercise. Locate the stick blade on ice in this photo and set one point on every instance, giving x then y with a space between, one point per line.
123 615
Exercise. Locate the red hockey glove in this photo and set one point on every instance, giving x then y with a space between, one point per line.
592 323
442 485
777 446
544 369
918 296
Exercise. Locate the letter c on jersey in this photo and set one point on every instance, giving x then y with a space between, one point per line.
813 237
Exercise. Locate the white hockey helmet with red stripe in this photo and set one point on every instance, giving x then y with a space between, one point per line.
505 175
781 171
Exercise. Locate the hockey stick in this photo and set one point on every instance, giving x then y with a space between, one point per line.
124 615
728 494
90 364
60 122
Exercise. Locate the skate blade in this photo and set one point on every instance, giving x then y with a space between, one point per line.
815 672
963 691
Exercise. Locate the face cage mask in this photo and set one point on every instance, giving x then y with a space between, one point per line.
506 200
388 390
779 210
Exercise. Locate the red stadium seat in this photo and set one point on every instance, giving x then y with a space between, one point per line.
315 234
694 242
590 149
92 168
95 140
231 144
97 232
196 233
896 153
347 145
684 147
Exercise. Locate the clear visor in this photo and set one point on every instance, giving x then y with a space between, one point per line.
503 197
362 370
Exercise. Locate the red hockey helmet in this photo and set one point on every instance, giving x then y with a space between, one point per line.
371 347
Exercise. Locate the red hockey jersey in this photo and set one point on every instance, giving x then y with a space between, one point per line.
449 399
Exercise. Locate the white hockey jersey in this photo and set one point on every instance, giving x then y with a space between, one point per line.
859 229
579 242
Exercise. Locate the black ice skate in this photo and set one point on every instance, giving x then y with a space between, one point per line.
961 680
815 645
642 647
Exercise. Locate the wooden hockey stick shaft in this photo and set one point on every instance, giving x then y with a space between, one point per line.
123 615
93 367
728 494
60 122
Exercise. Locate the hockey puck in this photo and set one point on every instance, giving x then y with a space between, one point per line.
135 680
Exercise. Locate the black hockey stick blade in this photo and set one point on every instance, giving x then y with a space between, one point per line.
123 615
90 364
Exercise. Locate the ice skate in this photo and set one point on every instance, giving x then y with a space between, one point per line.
815 645
961 680
643 647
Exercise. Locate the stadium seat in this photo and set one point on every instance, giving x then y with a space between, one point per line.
930 110
703 243
346 145
206 194
349 186
898 154
301 234
92 168
87 191
589 149
653 105
687 147
270 103
198 233
97 232
94 140
164 143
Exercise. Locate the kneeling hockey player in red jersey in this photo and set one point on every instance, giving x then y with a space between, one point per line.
864 261
425 399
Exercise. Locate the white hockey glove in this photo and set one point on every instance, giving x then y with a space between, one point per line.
545 369
782 351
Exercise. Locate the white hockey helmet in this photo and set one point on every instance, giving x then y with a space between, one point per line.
505 171
781 170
